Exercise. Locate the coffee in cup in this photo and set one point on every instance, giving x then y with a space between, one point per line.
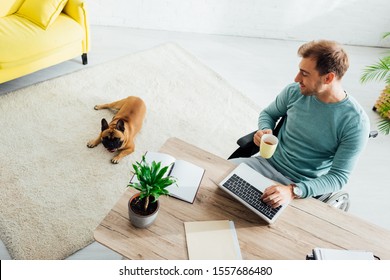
268 144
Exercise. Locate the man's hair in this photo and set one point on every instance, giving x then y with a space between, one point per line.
329 56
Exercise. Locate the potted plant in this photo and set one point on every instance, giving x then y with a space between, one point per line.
380 71
151 182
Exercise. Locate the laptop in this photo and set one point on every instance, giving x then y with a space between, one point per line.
247 185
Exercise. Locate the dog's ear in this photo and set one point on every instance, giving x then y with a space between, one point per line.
104 124
120 125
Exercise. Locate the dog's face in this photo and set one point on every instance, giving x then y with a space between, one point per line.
113 138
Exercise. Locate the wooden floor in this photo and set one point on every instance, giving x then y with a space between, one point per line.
259 68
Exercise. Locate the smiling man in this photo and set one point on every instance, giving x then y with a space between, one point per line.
323 134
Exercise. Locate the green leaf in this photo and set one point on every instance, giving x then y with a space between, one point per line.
155 167
161 173
386 34
151 179
384 126
379 71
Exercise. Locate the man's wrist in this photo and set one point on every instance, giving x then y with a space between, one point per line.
296 191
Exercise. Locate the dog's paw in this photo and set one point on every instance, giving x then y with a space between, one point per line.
115 160
97 107
91 144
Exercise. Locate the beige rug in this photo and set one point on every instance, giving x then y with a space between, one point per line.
55 190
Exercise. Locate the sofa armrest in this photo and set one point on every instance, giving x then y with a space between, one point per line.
76 9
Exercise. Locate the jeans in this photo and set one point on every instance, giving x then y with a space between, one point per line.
262 166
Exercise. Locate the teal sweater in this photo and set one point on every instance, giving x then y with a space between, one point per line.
319 143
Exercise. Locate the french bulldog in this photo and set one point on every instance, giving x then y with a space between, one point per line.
119 134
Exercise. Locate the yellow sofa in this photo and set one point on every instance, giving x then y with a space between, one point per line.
35 34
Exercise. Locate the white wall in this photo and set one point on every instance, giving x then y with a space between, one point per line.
359 22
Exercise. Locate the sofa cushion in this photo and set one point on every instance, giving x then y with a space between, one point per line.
17 33
41 12
8 7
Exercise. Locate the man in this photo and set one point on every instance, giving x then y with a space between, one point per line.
324 131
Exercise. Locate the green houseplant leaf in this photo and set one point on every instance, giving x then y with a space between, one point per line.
153 180
380 71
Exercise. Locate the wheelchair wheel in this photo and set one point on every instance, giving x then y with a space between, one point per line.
339 200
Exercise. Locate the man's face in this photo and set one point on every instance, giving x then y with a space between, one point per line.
309 79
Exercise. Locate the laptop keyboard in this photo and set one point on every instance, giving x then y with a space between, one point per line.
250 195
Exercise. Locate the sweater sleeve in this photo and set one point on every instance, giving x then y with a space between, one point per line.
278 108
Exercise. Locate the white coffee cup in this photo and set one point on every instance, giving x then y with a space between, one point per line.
268 144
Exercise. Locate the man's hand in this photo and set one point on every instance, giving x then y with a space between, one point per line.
259 134
277 195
